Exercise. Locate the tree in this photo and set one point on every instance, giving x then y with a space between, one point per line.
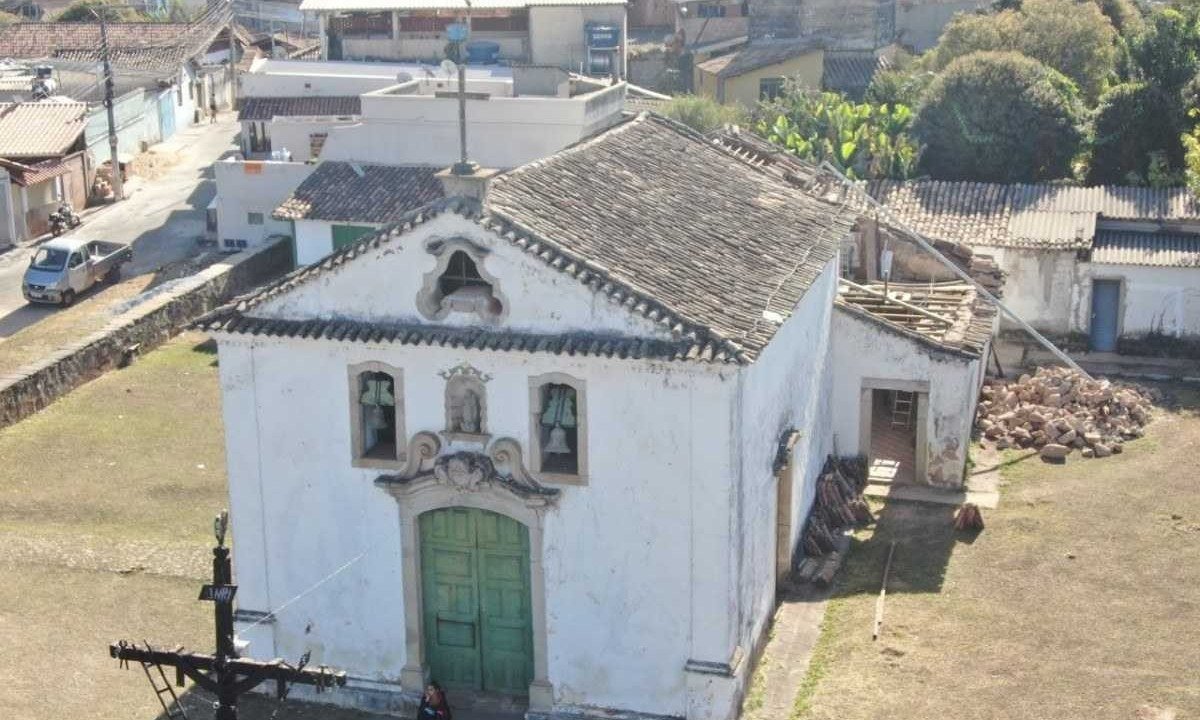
1191 145
1124 15
898 87
1167 52
863 140
702 114
999 117
112 10
7 18
1075 39
971 33
1134 124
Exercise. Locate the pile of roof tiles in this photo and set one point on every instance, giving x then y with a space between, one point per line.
1058 411
839 504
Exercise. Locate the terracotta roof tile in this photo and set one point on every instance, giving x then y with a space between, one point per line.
650 215
354 192
265 108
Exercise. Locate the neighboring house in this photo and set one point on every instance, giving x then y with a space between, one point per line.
587 36
44 162
1109 263
173 60
298 125
341 202
758 71
857 25
512 119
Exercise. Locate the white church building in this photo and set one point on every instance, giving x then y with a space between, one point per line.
559 434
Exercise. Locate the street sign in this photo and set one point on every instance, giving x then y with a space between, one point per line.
218 593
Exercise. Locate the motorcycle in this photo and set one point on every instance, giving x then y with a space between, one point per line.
64 219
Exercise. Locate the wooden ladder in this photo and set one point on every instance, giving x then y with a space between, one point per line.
172 708
902 407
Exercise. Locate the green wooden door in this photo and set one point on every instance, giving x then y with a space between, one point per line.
478 628
344 235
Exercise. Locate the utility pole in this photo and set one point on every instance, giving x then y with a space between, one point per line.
224 673
118 182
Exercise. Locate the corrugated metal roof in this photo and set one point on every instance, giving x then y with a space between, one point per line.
1156 249
1046 216
381 5
41 129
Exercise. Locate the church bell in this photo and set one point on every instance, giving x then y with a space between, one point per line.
558 441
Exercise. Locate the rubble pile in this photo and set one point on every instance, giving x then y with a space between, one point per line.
1058 410
839 504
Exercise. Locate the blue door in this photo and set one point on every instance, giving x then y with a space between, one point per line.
1106 305
166 114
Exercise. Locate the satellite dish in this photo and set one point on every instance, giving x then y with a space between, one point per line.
449 67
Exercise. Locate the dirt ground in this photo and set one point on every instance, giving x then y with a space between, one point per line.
1079 600
106 506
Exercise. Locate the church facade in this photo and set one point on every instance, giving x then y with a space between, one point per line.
554 444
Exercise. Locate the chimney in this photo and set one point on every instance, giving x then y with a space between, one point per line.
471 184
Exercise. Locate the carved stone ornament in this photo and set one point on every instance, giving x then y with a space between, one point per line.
463 470
464 368
500 467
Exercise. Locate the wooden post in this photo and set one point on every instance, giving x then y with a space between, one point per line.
887 568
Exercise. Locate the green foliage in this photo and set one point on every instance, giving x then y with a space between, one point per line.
863 140
898 87
1136 136
1075 39
1168 51
1191 147
111 10
999 117
1124 15
971 33
702 114
7 18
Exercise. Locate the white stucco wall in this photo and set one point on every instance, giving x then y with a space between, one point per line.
863 350
638 563
502 132
289 78
314 239
556 33
295 133
1163 300
787 387
1053 292
244 187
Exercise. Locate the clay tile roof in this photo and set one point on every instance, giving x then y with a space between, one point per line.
851 73
141 46
354 192
41 129
265 108
949 316
652 216
1033 216
758 55
1138 248
672 217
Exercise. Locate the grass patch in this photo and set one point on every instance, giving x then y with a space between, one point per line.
1074 603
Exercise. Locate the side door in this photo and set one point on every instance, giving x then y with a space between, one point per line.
1106 310
77 271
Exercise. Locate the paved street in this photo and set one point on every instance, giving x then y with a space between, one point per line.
163 217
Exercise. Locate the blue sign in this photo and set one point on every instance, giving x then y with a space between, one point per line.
457 32
603 36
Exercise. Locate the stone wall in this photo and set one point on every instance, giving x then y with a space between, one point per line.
33 387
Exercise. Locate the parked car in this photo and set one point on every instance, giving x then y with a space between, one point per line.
65 267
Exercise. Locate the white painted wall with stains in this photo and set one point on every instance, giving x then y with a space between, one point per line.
664 557
1052 290
863 350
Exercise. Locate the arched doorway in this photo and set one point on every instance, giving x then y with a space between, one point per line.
476 600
